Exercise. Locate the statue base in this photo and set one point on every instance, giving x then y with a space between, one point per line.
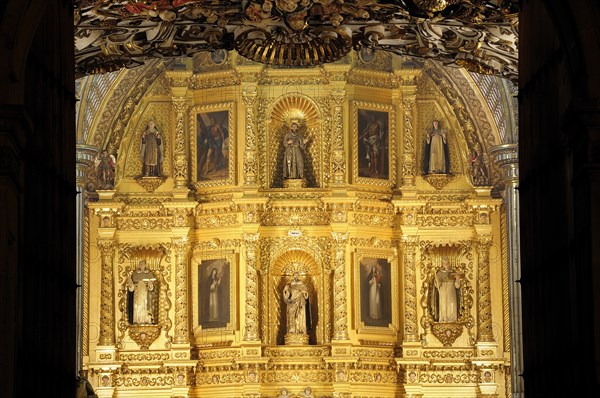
294 183
296 339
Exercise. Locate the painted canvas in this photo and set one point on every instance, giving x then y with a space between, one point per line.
373 144
213 293
212 143
375 292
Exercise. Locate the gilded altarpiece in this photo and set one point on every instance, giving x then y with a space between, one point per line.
400 271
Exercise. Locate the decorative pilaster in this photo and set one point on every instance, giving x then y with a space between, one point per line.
180 246
408 80
180 164
340 313
411 331
251 319
250 98
507 158
484 298
338 162
107 298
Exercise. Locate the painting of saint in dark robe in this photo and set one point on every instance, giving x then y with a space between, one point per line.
373 144
212 143
213 293
375 292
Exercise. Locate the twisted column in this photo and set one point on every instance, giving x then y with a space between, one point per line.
107 297
411 331
484 332
251 241
180 246
340 313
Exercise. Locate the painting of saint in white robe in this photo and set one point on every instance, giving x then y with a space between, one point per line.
213 283
375 291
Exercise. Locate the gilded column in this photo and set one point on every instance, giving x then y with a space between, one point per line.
180 164
107 298
85 160
250 97
340 313
484 298
180 246
338 163
251 319
507 158
411 331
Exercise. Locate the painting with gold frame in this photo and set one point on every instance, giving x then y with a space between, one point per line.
376 292
214 276
212 143
374 139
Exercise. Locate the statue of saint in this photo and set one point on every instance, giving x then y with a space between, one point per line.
446 299
293 157
295 296
105 169
437 154
140 285
151 151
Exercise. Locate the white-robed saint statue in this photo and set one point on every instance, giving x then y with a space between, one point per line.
151 151
446 300
141 286
436 159
295 296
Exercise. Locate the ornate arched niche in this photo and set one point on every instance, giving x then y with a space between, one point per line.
152 279
281 273
302 110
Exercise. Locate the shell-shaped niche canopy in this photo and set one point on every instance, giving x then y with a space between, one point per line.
295 107
295 261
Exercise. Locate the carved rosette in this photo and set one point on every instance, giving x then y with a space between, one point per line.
107 299
180 247
409 155
251 241
180 164
338 163
250 155
484 333
409 244
340 320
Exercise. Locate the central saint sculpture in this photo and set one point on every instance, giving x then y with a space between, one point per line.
295 296
294 156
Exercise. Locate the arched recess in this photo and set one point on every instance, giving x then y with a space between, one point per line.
303 110
280 272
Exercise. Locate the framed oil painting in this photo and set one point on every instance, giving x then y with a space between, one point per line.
212 142
214 298
374 140
376 292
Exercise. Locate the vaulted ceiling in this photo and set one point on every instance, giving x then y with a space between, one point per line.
481 36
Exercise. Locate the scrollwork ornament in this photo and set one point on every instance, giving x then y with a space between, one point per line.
107 299
250 99
251 319
180 247
485 333
339 286
409 244
180 167
338 164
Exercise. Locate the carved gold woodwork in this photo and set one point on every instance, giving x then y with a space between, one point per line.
323 231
